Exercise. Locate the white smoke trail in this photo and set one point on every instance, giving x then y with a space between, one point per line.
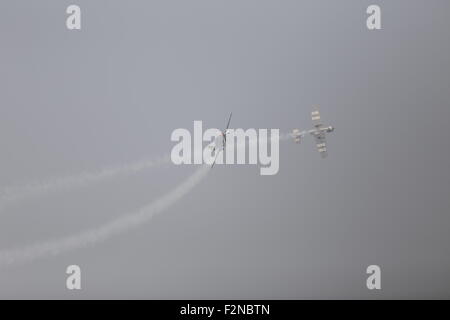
11 195
110 229
106 231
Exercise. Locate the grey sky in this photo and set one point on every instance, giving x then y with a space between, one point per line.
112 93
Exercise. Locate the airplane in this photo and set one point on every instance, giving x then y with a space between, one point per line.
318 133
223 142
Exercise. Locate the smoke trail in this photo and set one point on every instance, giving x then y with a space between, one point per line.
10 195
110 229
106 231
14 194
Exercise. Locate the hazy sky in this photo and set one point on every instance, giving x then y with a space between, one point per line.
113 92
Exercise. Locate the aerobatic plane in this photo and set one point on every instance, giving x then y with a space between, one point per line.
318 132
221 141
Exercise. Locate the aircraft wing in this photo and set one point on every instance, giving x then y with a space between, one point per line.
215 159
315 116
321 144
228 125
229 120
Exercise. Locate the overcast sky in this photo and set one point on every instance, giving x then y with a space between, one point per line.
113 92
